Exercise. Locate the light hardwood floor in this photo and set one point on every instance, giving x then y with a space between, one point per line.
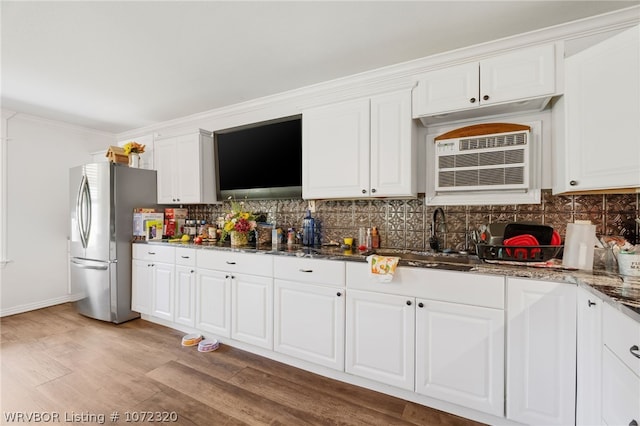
54 360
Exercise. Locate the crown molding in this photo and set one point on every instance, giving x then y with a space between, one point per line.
62 124
392 77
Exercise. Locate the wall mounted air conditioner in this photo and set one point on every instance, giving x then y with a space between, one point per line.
492 156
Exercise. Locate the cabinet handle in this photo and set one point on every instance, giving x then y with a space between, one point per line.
573 182
305 270
408 302
633 423
338 294
591 303
421 305
185 257
192 271
634 351
364 191
230 263
151 252
227 276
472 100
373 190
485 97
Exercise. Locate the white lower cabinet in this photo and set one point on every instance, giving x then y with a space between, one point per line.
141 287
163 286
620 392
153 281
309 322
252 309
620 368
213 302
185 298
420 333
460 354
381 337
232 303
309 306
541 352
588 359
185 295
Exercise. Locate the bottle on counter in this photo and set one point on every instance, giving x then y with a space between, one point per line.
362 239
291 237
308 229
375 238
368 239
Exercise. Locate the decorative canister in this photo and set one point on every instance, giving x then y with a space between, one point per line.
239 238
134 160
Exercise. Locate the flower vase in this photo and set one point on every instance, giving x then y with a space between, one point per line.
239 239
134 160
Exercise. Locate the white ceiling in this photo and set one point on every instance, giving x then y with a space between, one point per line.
117 66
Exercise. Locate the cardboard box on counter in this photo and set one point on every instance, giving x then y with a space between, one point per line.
140 217
173 213
153 229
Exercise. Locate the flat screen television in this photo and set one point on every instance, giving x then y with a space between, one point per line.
260 161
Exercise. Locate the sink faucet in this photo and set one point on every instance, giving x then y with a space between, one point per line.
437 226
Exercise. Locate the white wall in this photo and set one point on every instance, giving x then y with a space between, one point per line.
37 156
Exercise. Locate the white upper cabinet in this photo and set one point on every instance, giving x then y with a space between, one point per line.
360 148
523 74
186 169
600 148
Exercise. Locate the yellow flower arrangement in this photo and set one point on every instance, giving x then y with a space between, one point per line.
238 220
133 147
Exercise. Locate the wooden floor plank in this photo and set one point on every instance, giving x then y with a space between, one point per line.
54 359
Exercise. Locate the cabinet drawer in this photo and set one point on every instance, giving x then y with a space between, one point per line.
319 271
445 286
620 334
185 256
246 263
620 392
154 252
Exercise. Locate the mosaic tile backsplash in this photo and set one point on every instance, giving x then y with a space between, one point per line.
407 223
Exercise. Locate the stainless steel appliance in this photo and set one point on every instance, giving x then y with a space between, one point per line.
102 199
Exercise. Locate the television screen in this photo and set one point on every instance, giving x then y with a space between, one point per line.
261 161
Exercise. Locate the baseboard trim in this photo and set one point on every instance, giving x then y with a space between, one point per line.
37 305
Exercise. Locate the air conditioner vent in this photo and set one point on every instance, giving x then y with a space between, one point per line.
493 141
498 161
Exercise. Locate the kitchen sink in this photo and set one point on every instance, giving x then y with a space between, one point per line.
431 257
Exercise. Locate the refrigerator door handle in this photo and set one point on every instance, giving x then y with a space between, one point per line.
83 208
82 265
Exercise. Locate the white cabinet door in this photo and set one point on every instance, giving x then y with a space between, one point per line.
525 73
541 352
309 322
186 169
447 89
165 161
588 359
185 295
213 302
335 151
188 182
252 309
460 354
163 282
141 286
393 146
602 106
620 392
520 75
380 337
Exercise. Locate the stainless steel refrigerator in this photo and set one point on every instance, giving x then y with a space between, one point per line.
102 199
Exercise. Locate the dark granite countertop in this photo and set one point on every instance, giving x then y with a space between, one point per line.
623 293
